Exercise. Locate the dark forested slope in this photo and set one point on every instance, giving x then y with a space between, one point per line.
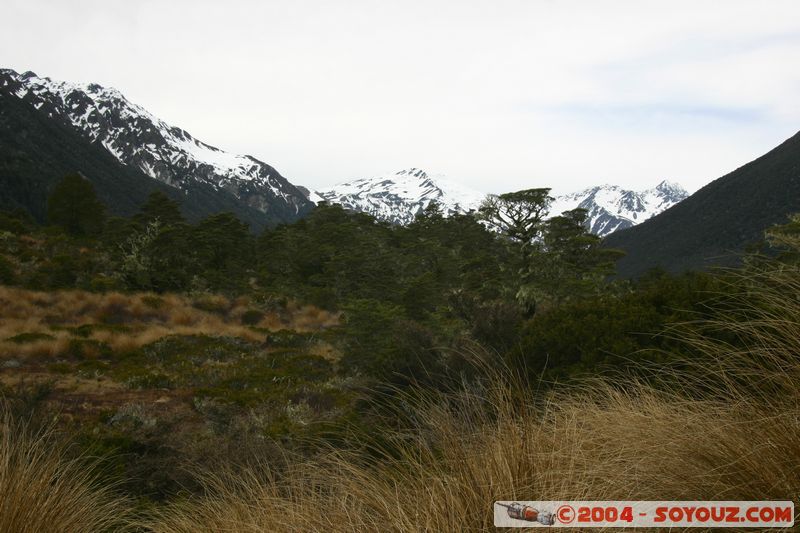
713 225
37 150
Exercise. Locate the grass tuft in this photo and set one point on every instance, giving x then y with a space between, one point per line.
43 489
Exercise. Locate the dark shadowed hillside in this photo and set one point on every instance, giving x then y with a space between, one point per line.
48 129
37 151
713 225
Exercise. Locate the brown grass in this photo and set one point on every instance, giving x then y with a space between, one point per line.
42 490
146 318
731 434
605 445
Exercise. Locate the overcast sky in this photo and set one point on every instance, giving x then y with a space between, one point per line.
498 94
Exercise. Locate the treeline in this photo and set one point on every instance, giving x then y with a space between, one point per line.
533 290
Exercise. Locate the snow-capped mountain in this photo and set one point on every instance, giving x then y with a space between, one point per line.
169 154
611 208
398 197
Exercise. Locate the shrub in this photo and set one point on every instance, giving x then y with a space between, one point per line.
286 338
15 223
24 338
252 317
74 206
103 283
212 303
7 274
153 302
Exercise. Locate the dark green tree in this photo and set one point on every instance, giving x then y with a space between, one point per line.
160 207
331 256
379 341
617 329
570 261
519 216
222 251
449 261
157 258
73 205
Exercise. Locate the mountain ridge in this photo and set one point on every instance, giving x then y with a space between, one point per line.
612 208
36 152
139 139
714 225
397 198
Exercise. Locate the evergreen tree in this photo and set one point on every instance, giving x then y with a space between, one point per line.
161 207
519 216
74 206
157 258
222 251
332 255
570 262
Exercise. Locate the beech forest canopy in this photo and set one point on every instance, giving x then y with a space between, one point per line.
506 277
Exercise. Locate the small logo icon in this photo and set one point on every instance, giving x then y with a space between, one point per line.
527 513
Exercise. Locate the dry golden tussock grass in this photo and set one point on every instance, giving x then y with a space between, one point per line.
604 445
728 429
42 490
142 317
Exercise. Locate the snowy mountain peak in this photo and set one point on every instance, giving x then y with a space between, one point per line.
612 208
670 188
169 154
413 172
399 197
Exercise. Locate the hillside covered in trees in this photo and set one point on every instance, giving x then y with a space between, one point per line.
715 225
481 278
